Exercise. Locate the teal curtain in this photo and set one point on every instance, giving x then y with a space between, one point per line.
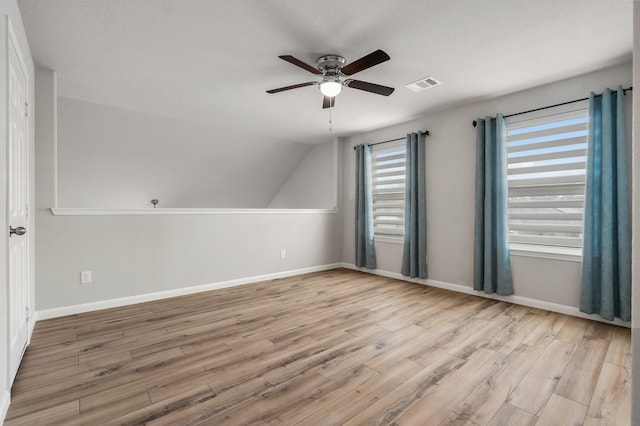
365 248
606 252
492 265
414 256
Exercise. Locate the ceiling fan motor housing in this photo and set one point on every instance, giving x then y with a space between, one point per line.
330 64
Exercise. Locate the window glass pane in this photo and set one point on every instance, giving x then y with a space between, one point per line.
388 183
546 167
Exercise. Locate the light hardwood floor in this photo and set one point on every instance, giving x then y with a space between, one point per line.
329 348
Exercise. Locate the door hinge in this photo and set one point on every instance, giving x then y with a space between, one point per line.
26 109
28 314
26 210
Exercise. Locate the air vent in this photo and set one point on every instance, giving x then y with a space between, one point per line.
423 84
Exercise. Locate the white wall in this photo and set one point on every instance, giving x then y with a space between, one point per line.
139 255
116 158
10 8
450 162
312 185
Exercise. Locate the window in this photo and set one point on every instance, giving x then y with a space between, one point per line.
546 172
388 176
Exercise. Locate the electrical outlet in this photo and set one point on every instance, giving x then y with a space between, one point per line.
85 277
283 254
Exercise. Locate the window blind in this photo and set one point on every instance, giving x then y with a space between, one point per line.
388 186
546 172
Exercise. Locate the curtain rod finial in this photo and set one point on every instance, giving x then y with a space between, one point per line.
475 123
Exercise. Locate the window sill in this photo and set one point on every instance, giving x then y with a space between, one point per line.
555 253
385 239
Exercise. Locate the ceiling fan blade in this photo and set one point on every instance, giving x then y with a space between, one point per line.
369 87
365 62
299 63
328 102
295 86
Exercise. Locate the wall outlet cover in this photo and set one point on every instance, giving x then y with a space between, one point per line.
85 277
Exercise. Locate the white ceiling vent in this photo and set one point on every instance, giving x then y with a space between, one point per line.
423 84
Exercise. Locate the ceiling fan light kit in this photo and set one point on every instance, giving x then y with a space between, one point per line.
333 70
330 88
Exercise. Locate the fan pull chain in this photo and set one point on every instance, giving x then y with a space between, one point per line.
330 108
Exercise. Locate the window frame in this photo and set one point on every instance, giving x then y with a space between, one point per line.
393 196
539 118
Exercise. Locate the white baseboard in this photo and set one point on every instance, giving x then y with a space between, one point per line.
5 399
131 300
115 303
518 300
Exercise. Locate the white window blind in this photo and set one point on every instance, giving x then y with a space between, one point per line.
546 169
388 177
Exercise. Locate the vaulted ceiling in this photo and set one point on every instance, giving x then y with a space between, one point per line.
212 61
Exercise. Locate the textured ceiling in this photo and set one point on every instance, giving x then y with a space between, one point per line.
210 61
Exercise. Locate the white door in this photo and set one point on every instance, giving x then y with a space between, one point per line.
17 205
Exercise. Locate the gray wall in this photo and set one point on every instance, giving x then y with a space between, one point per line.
10 8
115 158
313 184
450 186
137 255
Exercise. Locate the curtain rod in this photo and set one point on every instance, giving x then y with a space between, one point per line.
624 91
426 133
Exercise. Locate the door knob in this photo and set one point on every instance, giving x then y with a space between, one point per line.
17 231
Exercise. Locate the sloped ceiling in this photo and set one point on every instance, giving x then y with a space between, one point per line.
211 61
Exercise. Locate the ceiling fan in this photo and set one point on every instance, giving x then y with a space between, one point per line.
332 68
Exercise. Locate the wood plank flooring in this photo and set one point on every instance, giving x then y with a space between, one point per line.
328 348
